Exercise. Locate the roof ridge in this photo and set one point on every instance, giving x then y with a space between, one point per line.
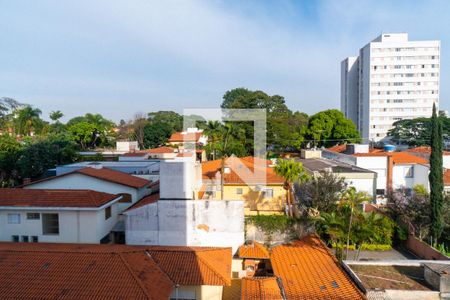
144 290
211 268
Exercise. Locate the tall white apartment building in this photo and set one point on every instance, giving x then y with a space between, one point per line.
391 79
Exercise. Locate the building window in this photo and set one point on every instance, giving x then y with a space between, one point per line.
13 218
380 192
107 212
15 238
126 198
409 172
34 239
239 191
268 193
50 224
33 216
25 238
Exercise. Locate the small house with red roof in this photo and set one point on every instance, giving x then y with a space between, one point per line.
57 215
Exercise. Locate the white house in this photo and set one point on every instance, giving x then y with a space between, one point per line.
395 170
173 217
131 188
57 216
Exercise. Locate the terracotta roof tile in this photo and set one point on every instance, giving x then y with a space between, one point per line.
144 201
251 173
104 174
447 177
260 288
424 150
185 137
53 198
398 157
254 250
309 271
338 148
135 154
80 271
162 149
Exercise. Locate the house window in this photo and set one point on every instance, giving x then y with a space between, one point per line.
126 198
13 218
409 172
34 239
380 192
239 191
25 238
50 224
107 212
268 193
15 238
33 216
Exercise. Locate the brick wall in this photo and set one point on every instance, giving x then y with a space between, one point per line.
423 250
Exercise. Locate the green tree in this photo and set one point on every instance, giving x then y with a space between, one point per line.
292 172
83 133
436 177
156 134
213 130
9 154
27 120
330 127
56 115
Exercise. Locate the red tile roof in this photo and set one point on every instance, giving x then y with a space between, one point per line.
53 198
104 174
260 288
144 201
338 148
135 154
79 271
309 271
250 173
398 157
186 154
185 137
424 150
162 149
254 250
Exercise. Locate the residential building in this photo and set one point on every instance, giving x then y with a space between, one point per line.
188 138
425 152
68 271
163 152
255 256
395 170
176 217
251 180
303 269
363 180
131 188
57 216
392 79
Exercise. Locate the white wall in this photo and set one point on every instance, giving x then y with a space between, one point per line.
367 185
187 223
377 164
400 181
178 179
74 226
79 181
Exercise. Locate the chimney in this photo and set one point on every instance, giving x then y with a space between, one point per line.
389 170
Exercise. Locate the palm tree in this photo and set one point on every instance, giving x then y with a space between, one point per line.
26 119
56 115
291 171
214 131
335 228
352 200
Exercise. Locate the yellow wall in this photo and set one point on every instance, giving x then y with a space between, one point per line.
255 202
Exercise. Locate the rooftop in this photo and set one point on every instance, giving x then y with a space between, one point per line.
250 170
398 157
145 201
309 271
104 174
254 250
80 271
260 288
185 137
54 198
321 164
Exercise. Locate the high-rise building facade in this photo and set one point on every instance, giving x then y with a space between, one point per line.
391 79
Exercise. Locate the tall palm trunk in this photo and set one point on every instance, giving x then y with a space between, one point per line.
348 233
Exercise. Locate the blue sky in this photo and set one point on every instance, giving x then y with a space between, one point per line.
122 57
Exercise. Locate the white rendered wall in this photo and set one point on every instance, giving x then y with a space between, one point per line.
187 223
367 185
74 226
377 164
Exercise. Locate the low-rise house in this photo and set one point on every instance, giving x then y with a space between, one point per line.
255 256
363 180
57 216
248 179
68 271
188 138
131 188
261 288
395 170
425 152
163 152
